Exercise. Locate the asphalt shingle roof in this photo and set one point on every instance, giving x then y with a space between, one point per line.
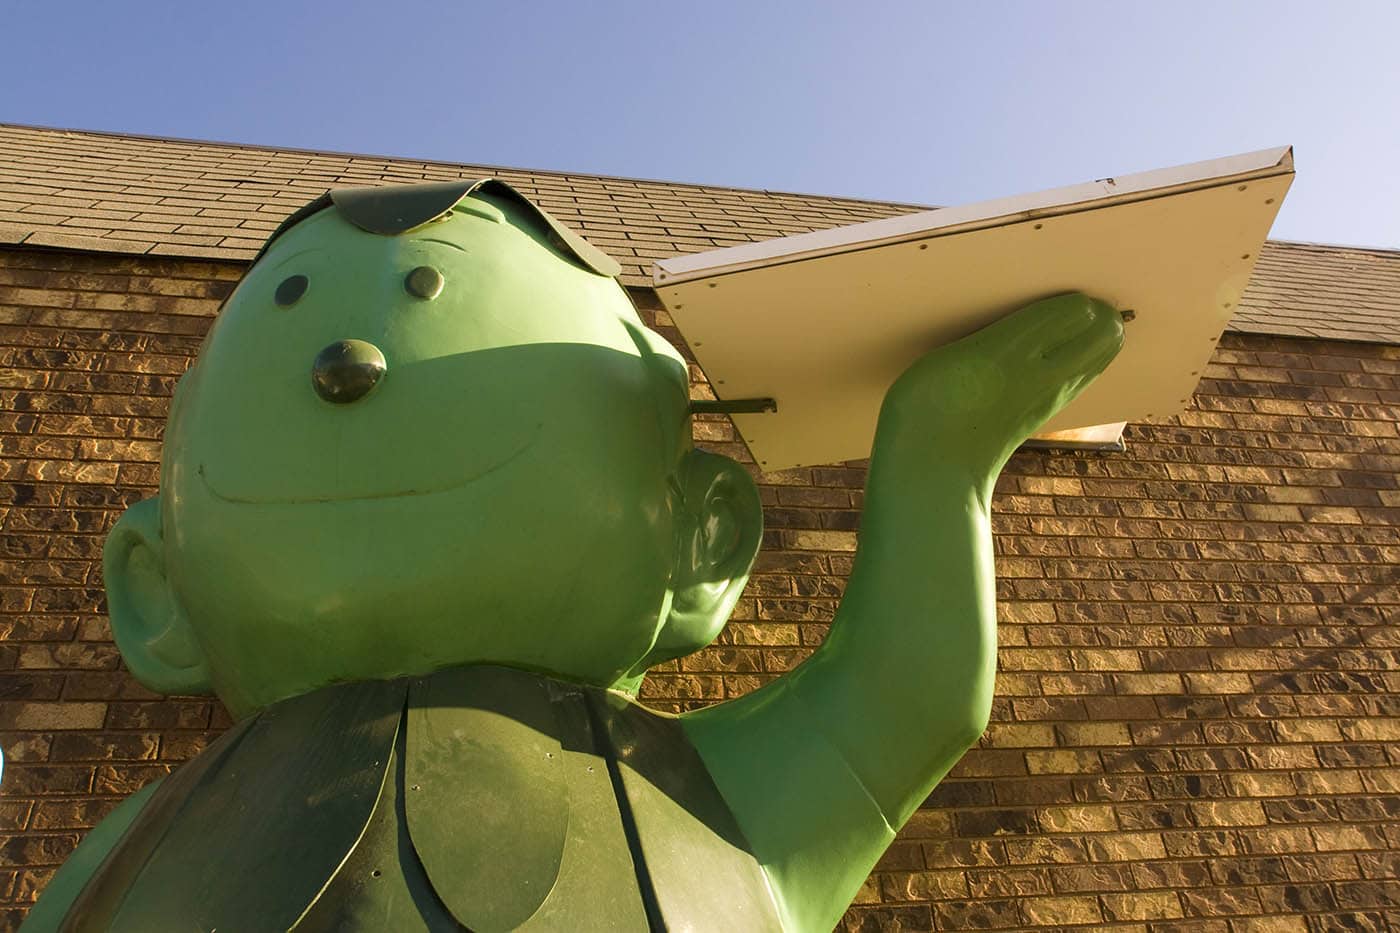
141 195
1334 292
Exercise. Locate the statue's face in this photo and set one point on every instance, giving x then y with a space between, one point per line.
502 493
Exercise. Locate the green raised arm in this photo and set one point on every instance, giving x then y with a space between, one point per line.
823 765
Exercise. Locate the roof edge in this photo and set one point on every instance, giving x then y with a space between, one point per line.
558 173
1318 244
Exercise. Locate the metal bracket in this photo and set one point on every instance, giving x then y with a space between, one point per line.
735 406
1107 447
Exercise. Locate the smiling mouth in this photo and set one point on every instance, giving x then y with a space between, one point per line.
392 494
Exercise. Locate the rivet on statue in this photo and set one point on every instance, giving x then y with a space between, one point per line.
429 510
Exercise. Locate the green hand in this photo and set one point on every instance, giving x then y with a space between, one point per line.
985 394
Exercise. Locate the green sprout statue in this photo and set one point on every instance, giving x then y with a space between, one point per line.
430 509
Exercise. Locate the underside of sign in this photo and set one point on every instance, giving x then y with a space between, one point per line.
823 323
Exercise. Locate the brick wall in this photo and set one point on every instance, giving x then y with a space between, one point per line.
1199 698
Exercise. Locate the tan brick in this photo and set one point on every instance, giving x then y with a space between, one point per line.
1263 784
1219 683
1339 838
1371 730
1089 734
1105 659
1074 684
1063 762
1383 780
1148 683
1220 901
1271 924
1123 847
1095 818
1308 730
1051 485
1273 513
820 540
1061 910
1336 781
1045 850
1007 882
1020 735
1331 515
1228 813
51 716
925 885
1141 905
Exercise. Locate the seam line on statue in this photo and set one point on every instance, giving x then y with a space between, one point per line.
817 729
602 745
393 764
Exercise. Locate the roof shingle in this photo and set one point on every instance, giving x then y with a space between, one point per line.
141 195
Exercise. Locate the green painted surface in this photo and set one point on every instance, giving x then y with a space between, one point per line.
382 884
597 888
524 460
234 820
476 797
699 865
487 798
520 489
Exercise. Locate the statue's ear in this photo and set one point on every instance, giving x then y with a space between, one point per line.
150 628
718 527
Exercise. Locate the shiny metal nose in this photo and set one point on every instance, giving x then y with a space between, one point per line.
347 370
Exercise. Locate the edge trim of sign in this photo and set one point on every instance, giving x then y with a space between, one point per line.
1264 163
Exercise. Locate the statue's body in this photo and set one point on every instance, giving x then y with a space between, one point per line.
428 579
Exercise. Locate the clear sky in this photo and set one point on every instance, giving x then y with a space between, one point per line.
922 102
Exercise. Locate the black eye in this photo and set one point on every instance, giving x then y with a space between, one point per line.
291 289
424 282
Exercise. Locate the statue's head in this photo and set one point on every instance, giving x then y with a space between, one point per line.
428 428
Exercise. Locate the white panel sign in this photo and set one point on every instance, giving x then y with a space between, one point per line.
825 322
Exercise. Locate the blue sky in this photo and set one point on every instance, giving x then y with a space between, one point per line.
931 103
